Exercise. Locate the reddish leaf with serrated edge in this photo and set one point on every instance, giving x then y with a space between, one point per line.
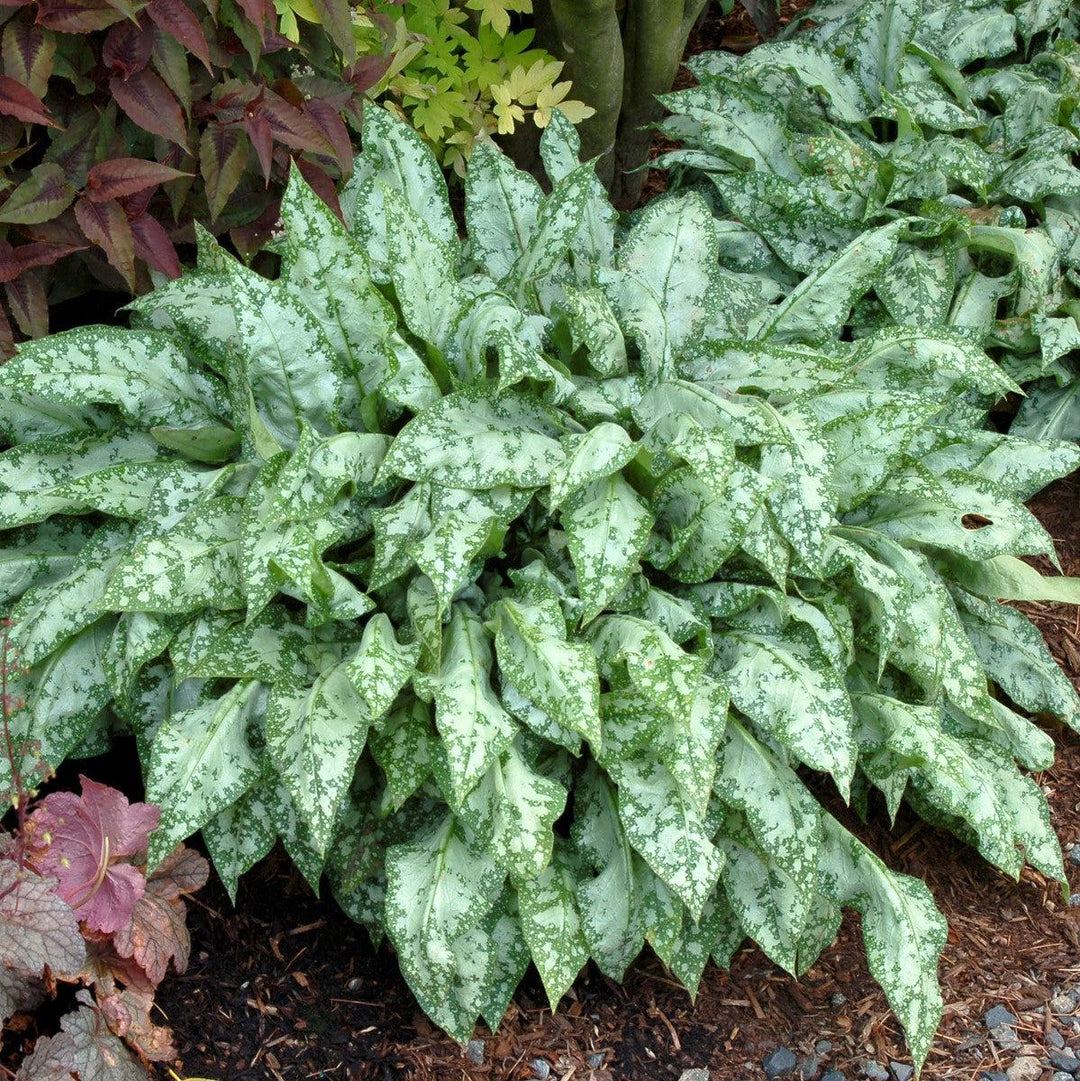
29 304
157 932
366 72
182 872
292 127
127 1014
107 226
76 16
180 22
151 104
153 246
38 930
44 194
28 52
333 127
118 177
127 48
16 261
62 230
258 131
20 102
73 149
223 155
250 238
99 1055
53 1059
320 183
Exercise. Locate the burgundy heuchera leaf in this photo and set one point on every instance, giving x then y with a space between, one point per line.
157 931
37 929
82 839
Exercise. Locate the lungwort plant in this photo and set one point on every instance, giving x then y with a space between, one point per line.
522 583
960 111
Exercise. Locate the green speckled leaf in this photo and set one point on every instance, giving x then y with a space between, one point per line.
200 764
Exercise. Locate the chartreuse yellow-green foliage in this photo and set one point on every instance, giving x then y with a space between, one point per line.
521 582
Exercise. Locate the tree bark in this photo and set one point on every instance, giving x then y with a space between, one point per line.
653 43
586 35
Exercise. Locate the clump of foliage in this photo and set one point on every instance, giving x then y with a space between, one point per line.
78 906
957 112
462 73
512 581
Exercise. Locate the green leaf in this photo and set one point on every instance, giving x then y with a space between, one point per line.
607 526
558 676
668 831
381 665
142 374
422 268
819 305
314 735
474 440
785 684
473 726
903 931
193 564
201 762
552 925
438 890
501 208
665 287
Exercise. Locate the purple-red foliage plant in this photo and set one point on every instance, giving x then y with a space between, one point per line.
122 122
78 904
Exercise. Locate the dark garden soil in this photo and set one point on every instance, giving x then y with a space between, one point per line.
287 988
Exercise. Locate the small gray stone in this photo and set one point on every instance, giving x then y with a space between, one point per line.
1074 855
901 1071
834 1075
808 1068
540 1068
875 1071
1061 1075
594 1062
1055 1038
1075 899
1063 1060
780 1063
1005 1037
998 1016
838 998
1062 1004
1074 994
822 1047
694 1075
992 1075
1024 1068
474 1052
